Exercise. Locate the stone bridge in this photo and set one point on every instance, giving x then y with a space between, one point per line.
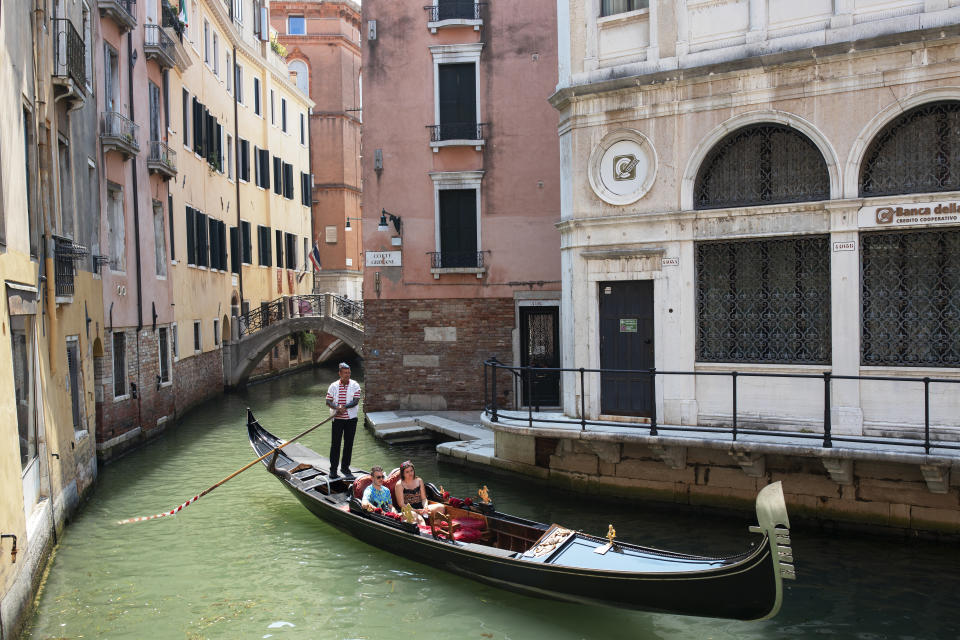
256 332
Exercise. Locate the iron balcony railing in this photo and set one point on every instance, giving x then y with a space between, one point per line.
348 309
454 10
158 45
648 377
123 12
69 53
120 131
472 131
457 259
162 158
65 254
171 19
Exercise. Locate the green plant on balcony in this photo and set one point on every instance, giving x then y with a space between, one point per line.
278 48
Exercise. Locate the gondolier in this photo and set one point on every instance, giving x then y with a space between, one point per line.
343 398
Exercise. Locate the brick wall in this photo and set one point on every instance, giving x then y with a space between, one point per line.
428 354
197 378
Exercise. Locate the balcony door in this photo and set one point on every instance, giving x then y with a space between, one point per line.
458 228
458 101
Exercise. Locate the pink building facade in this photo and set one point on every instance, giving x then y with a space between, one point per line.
461 192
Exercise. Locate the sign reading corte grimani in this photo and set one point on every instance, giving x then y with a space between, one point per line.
914 213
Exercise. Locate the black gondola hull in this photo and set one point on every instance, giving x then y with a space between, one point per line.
747 589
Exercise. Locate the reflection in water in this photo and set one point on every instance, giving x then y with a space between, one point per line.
247 561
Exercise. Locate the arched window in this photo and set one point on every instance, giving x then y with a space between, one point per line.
919 152
298 68
761 164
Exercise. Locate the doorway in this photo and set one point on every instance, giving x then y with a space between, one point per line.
626 342
540 347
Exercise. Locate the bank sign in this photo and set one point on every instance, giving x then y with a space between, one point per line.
916 213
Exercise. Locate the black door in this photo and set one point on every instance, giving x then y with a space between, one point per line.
458 228
626 342
458 101
540 347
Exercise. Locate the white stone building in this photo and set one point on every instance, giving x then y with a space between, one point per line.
766 186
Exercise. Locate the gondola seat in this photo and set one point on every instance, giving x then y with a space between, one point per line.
360 485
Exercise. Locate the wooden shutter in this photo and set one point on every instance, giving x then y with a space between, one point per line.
279 249
234 250
458 227
458 94
191 238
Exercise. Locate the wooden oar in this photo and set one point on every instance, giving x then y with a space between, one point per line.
233 475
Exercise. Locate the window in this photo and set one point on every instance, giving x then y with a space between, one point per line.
457 106
185 125
230 78
288 181
291 251
239 74
279 238
229 156
173 245
916 153
175 340
303 130
115 227
65 226
165 82
198 235
111 77
283 114
216 54
75 381
216 332
197 338
264 246
119 364
234 250
458 228
306 187
612 7
159 239
298 69
29 148
256 96
238 11
263 168
87 47
910 294
218 244
277 176
163 353
243 164
761 164
296 26
24 384
154 100
764 301
306 252
456 10
206 42
273 109
245 237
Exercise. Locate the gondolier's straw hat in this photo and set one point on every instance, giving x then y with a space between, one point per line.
343 365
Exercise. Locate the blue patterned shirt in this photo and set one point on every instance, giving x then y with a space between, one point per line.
378 497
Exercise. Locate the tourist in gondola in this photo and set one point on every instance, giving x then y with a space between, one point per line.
411 490
343 397
377 496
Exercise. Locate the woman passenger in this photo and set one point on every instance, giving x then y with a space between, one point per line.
411 490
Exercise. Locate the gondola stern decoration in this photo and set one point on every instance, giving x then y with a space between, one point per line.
773 522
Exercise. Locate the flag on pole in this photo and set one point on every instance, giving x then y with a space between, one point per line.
184 19
315 257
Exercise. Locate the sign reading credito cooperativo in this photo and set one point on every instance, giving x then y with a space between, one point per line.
908 214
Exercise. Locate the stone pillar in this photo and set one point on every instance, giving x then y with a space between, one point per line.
683 29
653 26
758 21
842 14
666 28
846 415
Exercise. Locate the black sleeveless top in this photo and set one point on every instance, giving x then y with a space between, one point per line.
412 497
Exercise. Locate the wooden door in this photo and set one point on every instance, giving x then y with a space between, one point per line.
626 342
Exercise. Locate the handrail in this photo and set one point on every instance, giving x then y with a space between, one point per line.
298 306
454 10
491 408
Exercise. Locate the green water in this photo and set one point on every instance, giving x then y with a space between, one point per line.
248 561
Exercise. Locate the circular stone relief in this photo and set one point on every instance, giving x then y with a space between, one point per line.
622 167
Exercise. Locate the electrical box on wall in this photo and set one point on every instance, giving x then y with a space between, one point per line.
371 29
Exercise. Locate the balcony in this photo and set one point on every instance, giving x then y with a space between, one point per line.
162 160
65 253
454 13
158 46
69 61
442 262
119 133
171 19
457 134
122 12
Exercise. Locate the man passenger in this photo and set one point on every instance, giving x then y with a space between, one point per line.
377 496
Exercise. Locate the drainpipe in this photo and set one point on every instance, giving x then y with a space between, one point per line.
313 223
136 197
236 164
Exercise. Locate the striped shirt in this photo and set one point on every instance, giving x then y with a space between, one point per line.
342 394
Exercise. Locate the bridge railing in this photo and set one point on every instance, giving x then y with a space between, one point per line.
322 305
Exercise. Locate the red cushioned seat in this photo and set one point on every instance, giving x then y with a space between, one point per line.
390 482
360 485
470 523
467 534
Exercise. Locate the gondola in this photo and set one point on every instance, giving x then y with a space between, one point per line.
477 541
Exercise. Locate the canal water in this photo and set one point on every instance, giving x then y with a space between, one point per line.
247 561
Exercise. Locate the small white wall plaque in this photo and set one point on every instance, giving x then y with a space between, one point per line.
384 259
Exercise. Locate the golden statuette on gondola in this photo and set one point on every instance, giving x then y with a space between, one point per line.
611 536
484 494
408 515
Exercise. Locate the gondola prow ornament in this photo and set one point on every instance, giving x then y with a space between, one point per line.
611 536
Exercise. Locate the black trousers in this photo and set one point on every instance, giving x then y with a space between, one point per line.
342 430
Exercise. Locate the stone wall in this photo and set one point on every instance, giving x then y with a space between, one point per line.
876 493
428 354
197 378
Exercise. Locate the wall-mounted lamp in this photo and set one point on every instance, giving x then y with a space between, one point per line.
384 214
348 227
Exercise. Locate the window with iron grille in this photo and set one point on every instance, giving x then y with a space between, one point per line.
910 298
163 352
764 301
919 152
119 364
761 164
613 7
